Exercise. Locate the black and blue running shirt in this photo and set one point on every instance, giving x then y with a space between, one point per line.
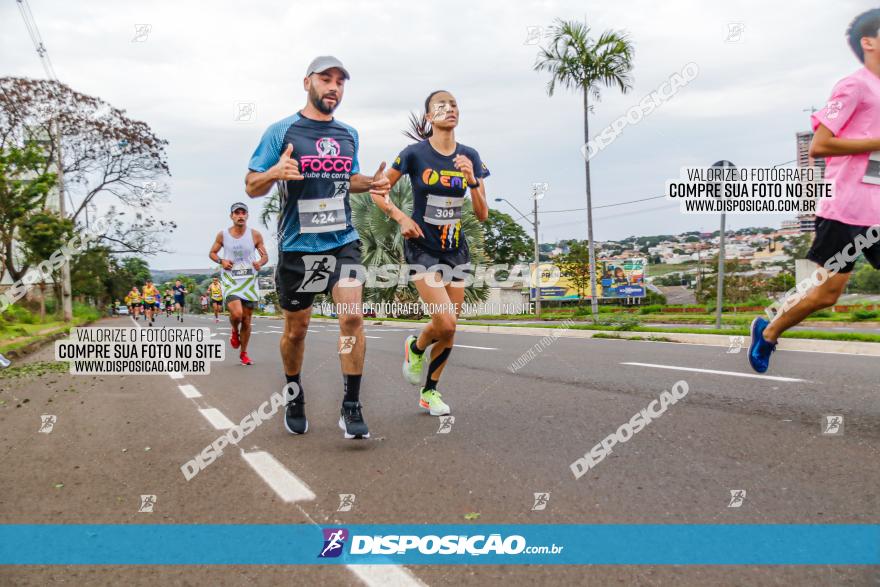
438 192
315 211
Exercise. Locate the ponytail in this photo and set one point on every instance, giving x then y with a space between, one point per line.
419 127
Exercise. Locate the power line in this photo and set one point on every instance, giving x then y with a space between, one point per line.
34 33
631 201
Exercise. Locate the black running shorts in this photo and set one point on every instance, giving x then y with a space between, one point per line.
245 303
443 262
836 239
301 275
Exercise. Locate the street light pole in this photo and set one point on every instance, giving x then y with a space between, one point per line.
537 261
534 224
719 302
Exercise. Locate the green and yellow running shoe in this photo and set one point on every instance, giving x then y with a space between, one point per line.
430 400
412 363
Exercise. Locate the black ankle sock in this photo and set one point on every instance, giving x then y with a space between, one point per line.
352 387
434 365
414 348
301 396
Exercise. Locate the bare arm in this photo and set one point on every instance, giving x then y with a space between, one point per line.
825 144
258 183
481 206
478 195
409 228
360 183
377 184
261 248
215 250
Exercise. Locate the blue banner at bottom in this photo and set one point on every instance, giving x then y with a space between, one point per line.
270 544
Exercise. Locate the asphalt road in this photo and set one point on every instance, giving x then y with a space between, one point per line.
514 434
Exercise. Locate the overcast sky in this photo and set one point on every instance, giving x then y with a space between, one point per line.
198 60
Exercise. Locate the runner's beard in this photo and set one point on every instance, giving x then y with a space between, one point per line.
318 103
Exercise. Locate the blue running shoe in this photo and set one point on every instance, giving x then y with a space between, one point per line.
760 349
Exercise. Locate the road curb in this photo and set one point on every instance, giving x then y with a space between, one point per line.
36 345
870 349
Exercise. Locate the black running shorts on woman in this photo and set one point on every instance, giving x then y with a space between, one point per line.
439 191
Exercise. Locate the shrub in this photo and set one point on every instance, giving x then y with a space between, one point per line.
654 298
17 313
85 311
863 315
652 309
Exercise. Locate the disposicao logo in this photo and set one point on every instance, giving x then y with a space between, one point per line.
334 542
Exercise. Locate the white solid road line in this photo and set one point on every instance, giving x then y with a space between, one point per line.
385 576
282 481
482 348
714 372
189 391
368 336
216 418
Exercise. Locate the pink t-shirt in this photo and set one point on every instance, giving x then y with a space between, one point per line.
852 112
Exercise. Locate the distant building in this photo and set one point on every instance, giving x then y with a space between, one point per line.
806 222
791 225
803 140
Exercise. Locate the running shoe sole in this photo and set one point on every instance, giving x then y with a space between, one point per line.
351 436
286 427
424 405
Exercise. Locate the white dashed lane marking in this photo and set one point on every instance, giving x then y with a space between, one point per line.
278 477
189 391
216 418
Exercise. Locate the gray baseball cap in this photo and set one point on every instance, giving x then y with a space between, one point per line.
325 62
238 206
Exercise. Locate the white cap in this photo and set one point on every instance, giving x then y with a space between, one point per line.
325 62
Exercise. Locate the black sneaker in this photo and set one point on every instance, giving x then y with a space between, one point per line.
295 418
351 420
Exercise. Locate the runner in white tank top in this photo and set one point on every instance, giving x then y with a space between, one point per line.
238 274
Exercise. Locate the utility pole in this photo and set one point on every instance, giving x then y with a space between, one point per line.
538 190
66 301
55 132
537 259
719 303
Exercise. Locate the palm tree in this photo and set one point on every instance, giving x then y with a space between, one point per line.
576 61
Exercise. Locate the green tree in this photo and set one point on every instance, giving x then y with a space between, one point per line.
91 276
575 266
25 183
138 270
576 61
865 280
797 248
40 235
105 155
507 241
